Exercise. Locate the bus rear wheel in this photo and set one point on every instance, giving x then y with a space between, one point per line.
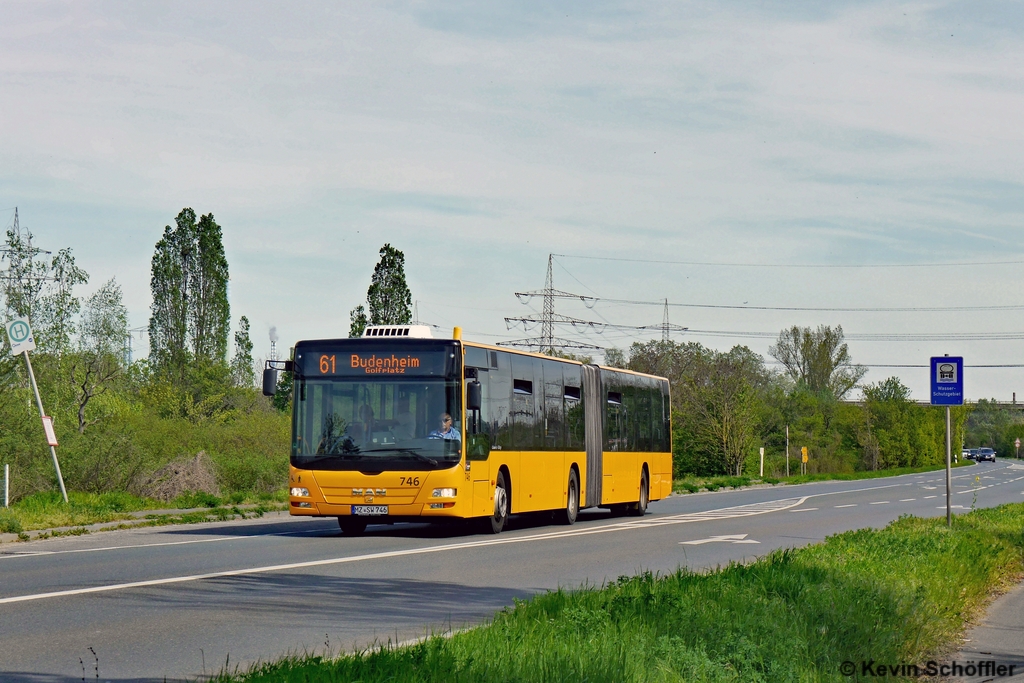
496 522
352 526
572 503
639 508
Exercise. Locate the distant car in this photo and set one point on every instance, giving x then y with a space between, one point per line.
965 454
972 454
986 454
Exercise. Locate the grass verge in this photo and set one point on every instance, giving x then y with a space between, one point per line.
48 510
901 594
693 484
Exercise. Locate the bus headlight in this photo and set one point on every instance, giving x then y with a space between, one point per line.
300 493
444 493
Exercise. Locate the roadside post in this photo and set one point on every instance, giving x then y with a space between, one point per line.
1016 449
762 461
19 334
948 390
803 460
7 485
787 450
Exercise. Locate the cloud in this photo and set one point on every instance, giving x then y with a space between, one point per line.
478 138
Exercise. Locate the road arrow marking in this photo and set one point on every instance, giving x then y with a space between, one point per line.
735 538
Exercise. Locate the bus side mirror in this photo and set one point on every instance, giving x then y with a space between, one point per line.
474 396
269 381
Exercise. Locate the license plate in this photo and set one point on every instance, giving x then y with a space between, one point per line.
367 510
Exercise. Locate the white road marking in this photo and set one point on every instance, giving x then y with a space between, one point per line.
35 553
737 511
804 510
907 500
879 502
735 538
927 497
851 505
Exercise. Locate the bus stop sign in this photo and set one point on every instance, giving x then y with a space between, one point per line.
19 333
947 381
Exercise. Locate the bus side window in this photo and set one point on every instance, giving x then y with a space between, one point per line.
499 398
524 410
554 428
572 395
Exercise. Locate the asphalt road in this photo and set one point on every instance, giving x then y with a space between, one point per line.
172 602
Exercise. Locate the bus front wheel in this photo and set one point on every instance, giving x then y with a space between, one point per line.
572 503
496 522
352 526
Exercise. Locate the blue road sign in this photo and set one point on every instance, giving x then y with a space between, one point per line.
947 381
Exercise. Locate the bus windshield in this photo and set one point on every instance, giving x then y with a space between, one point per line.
362 418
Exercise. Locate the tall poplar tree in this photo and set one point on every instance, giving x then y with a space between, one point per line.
189 282
242 371
388 298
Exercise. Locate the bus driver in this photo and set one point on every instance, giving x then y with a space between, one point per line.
446 432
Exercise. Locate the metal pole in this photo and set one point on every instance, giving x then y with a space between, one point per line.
949 471
53 451
787 450
7 485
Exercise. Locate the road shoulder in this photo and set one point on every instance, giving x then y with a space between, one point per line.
999 637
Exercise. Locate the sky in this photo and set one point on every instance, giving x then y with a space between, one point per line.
747 154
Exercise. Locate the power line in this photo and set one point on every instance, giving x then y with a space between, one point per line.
879 337
791 265
834 309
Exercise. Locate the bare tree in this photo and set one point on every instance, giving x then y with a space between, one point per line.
98 362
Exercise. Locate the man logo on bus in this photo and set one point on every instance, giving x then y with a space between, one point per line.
947 372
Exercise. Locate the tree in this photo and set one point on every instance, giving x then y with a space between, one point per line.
190 311
210 314
41 289
357 321
388 297
58 305
818 359
242 372
104 329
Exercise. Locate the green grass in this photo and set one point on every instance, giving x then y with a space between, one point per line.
692 484
48 510
900 594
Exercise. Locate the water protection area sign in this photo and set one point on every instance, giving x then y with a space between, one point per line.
947 381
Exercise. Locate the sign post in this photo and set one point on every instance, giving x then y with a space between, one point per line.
803 460
1016 448
948 390
19 333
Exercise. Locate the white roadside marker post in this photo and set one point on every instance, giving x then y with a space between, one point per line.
19 334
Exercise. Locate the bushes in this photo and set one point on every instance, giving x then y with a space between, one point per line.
247 440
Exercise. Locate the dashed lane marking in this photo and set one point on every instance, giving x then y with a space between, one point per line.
804 510
879 502
851 505
907 500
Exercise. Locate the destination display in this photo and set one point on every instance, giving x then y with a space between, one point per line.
344 363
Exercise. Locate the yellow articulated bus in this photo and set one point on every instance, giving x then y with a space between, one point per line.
397 426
